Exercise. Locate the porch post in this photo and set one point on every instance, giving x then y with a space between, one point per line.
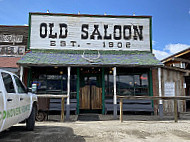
160 105
21 73
78 88
115 95
103 91
68 93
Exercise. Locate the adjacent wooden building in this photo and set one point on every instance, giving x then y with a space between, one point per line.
176 74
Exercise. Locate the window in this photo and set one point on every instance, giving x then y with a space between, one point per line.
20 87
136 84
8 82
73 85
50 80
130 81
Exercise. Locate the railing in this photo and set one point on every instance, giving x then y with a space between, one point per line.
174 98
56 96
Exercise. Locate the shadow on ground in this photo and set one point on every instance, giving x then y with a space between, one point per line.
40 134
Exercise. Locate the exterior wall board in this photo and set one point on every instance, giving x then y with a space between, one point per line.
155 88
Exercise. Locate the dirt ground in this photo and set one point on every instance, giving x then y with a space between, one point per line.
102 131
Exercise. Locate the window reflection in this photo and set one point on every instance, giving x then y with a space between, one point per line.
129 82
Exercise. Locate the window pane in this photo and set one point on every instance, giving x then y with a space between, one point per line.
144 80
137 80
109 86
73 83
125 84
54 85
8 82
21 88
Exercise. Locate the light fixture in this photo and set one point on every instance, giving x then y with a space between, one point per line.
55 67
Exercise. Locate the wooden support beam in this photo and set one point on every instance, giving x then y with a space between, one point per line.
175 111
62 109
68 85
154 97
159 85
51 96
115 94
121 110
181 60
68 93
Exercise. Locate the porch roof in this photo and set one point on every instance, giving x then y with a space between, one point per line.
88 58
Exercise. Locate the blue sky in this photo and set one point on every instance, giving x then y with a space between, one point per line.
171 18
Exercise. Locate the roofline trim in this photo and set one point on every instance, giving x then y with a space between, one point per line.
88 15
176 55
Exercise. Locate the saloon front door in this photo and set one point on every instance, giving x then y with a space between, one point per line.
91 92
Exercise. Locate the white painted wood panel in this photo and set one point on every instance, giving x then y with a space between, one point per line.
74 27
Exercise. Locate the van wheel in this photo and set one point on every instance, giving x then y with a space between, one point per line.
30 122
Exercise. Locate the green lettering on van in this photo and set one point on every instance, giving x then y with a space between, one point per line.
4 114
14 112
9 113
1 117
18 111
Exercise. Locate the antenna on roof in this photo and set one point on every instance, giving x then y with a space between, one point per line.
47 11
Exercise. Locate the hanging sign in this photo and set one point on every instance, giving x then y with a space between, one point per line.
169 89
79 32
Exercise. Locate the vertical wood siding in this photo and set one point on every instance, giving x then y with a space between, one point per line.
178 78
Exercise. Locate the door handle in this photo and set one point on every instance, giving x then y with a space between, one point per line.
21 99
9 100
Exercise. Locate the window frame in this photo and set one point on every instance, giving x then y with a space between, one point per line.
17 89
12 83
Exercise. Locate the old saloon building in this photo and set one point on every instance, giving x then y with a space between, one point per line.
91 59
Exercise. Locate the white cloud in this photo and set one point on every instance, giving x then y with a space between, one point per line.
160 54
174 48
169 50
189 11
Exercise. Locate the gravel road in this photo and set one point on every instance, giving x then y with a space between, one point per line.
101 131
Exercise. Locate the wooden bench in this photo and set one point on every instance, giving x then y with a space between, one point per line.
55 105
130 105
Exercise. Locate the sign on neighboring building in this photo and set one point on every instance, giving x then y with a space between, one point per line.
13 40
79 32
10 50
169 89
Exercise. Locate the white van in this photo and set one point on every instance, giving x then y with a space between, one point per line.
16 103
